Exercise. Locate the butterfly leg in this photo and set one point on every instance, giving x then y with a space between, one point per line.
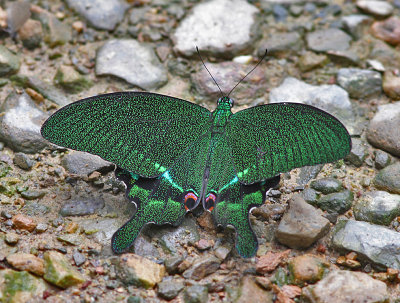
157 202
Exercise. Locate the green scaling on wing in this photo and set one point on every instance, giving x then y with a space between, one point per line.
174 155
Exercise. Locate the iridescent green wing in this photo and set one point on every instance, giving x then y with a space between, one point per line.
230 201
167 198
140 132
270 139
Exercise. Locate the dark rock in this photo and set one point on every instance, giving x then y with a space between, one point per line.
358 152
302 225
336 202
214 31
281 44
23 161
171 264
388 179
135 63
202 268
310 195
382 159
360 83
328 39
82 206
169 289
327 185
9 63
196 294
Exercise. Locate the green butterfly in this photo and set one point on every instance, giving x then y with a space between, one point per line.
174 155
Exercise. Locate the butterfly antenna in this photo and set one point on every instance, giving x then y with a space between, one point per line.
266 51
222 94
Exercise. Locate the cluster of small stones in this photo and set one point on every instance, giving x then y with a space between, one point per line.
329 233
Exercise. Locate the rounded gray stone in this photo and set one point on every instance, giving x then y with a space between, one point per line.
84 164
132 61
82 206
360 83
388 179
101 14
327 185
345 286
336 202
20 124
379 207
219 27
383 130
330 39
372 243
376 8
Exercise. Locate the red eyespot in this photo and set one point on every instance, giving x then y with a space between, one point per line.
190 201
210 202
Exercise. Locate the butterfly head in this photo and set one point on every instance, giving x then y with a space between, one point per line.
225 102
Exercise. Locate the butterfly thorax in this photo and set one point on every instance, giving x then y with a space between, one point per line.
222 112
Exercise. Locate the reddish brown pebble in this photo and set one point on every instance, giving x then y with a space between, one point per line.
270 261
21 221
391 84
34 95
291 291
321 248
387 30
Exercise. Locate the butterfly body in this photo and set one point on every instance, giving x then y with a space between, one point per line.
174 155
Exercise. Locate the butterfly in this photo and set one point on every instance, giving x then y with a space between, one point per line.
174 155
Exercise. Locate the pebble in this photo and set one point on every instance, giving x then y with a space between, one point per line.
101 14
71 239
310 60
372 243
330 39
202 267
70 80
9 62
23 222
41 227
281 45
327 185
79 258
270 261
388 179
358 152
346 287
100 229
139 271
23 161
219 27
222 252
379 9
337 203
382 159
387 30
20 124
391 84
250 292
132 61
196 294
11 238
360 83
18 13
55 32
330 98
82 206
356 25
31 194
310 195
307 269
170 289
31 34
172 263
28 262
312 225
227 73
383 128
378 207
59 272
376 65
280 13
83 164
20 286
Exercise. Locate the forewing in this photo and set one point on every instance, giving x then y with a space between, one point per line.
140 132
270 139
